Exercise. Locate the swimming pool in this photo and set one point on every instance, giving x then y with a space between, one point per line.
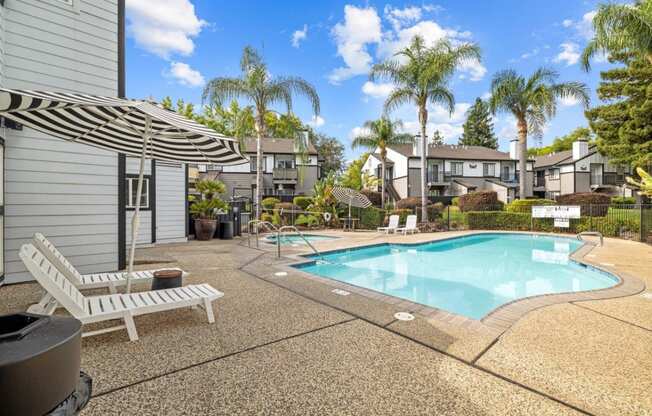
294 239
470 275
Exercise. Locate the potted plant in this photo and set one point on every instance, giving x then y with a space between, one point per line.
205 207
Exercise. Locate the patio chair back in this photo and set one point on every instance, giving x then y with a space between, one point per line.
53 281
55 257
393 221
411 222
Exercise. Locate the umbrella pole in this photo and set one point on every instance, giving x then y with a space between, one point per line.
135 221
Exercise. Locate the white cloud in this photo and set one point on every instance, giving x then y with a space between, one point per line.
299 35
377 90
438 113
361 26
474 69
358 131
527 55
401 17
570 53
316 121
583 26
486 95
185 75
165 29
567 23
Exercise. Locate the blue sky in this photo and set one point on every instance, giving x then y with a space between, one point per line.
174 46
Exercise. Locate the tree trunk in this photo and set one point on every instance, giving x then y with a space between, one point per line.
382 184
522 157
423 119
260 130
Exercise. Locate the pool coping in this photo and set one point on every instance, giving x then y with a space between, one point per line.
499 319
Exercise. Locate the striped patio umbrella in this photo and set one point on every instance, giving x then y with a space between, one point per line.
351 197
133 127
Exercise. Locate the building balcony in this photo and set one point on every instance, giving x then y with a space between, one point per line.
510 177
288 175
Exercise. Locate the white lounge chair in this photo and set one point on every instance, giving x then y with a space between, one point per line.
410 225
90 309
108 280
392 226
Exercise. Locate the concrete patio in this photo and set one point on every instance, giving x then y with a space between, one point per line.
289 345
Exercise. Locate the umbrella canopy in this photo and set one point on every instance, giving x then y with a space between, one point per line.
351 197
133 127
119 125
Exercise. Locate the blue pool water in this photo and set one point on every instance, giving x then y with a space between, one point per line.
289 239
470 275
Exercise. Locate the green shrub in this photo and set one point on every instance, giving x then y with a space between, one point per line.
402 214
307 220
455 201
266 217
276 218
411 202
480 201
302 202
371 217
501 220
592 203
623 200
286 206
270 202
525 205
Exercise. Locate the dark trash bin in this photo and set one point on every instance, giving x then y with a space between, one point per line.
167 279
226 230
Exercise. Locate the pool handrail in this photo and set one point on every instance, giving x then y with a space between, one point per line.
258 223
296 230
592 234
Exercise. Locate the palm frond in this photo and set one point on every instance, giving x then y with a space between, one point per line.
220 90
397 98
299 86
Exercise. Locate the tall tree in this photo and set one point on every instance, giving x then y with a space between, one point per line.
559 144
437 138
263 90
380 134
479 127
420 75
621 27
330 150
623 124
532 101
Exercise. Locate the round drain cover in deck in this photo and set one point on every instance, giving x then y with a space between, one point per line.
404 316
280 274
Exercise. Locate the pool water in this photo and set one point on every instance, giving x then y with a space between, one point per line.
293 239
469 275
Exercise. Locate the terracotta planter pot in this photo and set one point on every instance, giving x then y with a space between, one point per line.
205 229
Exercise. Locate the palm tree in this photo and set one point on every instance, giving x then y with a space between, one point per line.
621 27
420 75
381 134
532 102
258 86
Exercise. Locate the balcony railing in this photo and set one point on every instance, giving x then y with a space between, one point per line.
509 177
285 174
613 179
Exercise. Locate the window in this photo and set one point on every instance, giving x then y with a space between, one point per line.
553 173
552 195
284 161
252 163
489 169
132 191
457 168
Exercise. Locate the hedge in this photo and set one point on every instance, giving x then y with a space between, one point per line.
411 202
525 205
623 200
480 201
302 202
592 203
268 203
307 220
497 220
371 217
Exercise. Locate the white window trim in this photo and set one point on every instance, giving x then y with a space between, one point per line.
484 169
68 5
453 173
132 183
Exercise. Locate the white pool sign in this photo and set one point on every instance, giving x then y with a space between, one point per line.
556 211
562 223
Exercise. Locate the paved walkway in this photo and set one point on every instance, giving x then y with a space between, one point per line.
289 345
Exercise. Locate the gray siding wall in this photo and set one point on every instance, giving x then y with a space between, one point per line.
170 203
306 186
64 190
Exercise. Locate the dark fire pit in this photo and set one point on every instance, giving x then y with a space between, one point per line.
39 366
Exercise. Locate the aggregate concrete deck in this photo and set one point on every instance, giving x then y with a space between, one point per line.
289 345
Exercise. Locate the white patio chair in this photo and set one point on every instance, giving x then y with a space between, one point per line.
410 225
108 280
392 226
90 309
